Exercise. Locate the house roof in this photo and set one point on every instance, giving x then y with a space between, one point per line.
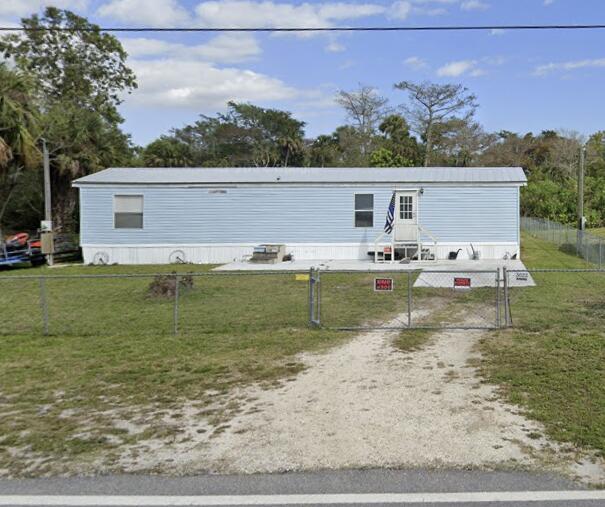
309 175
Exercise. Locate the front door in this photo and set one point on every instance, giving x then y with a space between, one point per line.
406 216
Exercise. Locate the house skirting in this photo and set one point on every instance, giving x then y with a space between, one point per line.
221 253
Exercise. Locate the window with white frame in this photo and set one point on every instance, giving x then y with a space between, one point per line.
406 207
128 211
364 210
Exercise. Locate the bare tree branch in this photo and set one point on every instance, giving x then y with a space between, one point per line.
431 104
365 109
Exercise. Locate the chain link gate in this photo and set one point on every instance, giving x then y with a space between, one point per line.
406 299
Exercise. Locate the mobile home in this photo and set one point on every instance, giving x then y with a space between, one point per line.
217 215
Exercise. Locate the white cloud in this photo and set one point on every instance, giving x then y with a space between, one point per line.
415 62
443 2
335 47
495 60
27 7
137 47
347 64
249 13
342 10
431 7
473 5
400 10
543 70
548 2
201 85
459 68
227 48
497 31
159 13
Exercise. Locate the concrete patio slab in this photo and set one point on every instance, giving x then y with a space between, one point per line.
439 273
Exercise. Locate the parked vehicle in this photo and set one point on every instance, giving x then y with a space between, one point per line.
21 248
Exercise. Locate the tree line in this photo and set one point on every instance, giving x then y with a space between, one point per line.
65 87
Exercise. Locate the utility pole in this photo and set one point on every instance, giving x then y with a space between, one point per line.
47 231
581 219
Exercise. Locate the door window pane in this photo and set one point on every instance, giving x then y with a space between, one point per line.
406 207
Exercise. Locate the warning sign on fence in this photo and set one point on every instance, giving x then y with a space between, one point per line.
462 282
383 284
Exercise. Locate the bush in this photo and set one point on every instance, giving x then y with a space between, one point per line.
164 286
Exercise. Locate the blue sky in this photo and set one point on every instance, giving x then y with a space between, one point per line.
524 80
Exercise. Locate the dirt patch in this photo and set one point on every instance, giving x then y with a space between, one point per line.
367 405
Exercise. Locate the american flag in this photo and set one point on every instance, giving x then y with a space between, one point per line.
388 226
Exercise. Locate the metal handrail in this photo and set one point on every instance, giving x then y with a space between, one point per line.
382 235
428 233
376 241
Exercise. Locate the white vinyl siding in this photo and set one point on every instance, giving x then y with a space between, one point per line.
295 214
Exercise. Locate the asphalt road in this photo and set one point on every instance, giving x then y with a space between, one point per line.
355 488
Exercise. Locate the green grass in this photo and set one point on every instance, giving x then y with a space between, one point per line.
598 232
553 361
111 349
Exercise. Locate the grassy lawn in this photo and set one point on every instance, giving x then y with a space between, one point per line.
111 349
553 361
111 353
598 232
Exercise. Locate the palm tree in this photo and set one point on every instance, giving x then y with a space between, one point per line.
289 146
18 132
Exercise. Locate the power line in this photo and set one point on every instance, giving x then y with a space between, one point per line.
446 28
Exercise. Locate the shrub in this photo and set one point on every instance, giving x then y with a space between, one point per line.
164 286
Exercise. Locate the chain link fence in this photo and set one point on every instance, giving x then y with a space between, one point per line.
412 299
258 302
224 302
569 239
131 304
568 300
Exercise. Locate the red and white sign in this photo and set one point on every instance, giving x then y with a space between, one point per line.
383 284
462 282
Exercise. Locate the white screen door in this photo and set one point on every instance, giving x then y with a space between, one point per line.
406 216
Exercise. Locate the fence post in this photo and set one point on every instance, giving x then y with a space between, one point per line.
601 254
318 316
506 300
497 298
44 305
409 299
311 297
176 305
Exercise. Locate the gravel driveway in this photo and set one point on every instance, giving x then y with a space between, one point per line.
367 404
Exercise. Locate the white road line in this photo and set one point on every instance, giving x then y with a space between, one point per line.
315 499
